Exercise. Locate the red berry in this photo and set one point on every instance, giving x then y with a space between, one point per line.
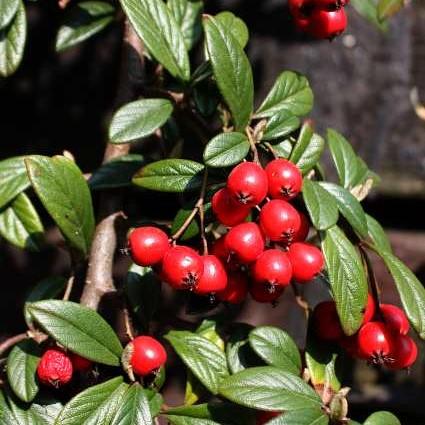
284 178
263 294
326 322
327 24
261 418
271 269
370 310
147 245
182 267
236 289
302 233
329 4
54 368
395 318
80 364
280 221
147 355
307 261
228 211
404 354
214 277
375 342
245 242
247 183
219 249
349 344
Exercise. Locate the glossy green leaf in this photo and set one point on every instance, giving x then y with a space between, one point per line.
184 420
8 9
46 409
83 20
181 216
79 329
320 204
236 25
64 193
347 278
12 42
157 27
377 234
269 388
388 8
14 411
232 71
209 330
20 224
22 364
280 125
276 348
170 175
301 417
291 92
226 149
139 119
382 418
283 149
368 9
13 175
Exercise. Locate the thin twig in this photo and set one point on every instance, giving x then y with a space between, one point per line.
300 300
128 326
254 150
271 150
371 275
10 342
69 286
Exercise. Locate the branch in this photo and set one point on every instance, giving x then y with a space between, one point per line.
10 342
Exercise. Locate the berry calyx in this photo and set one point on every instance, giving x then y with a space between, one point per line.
80 364
146 355
236 289
228 211
307 261
326 322
214 277
264 294
247 183
54 368
375 342
395 319
147 245
284 179
405 352
326 24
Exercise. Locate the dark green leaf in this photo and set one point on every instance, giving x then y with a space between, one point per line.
47 409
79 329
157 27
232 71
283 149
301 417
170 175
321 206
235 25
368 9
139 119
14 411
8 9
280 125
13 177
347 278
206 97
276 348
226 149
388 8
184 420
382 418
377 234
291 92
181 216
83 20
64 193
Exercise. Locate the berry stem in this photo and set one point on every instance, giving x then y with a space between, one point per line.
10 342
69 286
254 150
301 300
271 150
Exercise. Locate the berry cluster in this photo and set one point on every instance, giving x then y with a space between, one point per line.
382 339
323 19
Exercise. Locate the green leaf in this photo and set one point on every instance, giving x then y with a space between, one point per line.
157 27
382 418
64 193
22 364
139 119
388 8
226 149
347 278
206 361
232 71
170 175
12 42
377 234
181 216
14 411
269 388
187 14
349 207
301 417
13 177
283 149
209 330
236 25
291 92
79 329
276 348
47 409
368 9
410 289
8 9
321 206
20 224
280 125
82 21
184 420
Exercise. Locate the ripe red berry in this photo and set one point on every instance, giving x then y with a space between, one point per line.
404 354
272 269
326 24
326 322
395 319
264 294
147 355
307 261
329 4
369 310
80 364
54 368
147 245
304 229
262 417
245 242
236 289
182 267
375 342
228 211
247 183
284 179
214 277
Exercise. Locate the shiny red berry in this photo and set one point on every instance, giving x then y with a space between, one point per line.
214 277
80 364
147 355
326 24
236 289
375 342
395 319
182 267
280 221
245 242
54 368
263 294
326 322
369 310
329 4
147 245
304 229
247 183
262 417
284 179
272 269
227 210
404 354
307 261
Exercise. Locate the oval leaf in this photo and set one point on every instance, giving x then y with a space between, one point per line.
382 418
280 125
8 9
377 234
388 8
301 417
236 25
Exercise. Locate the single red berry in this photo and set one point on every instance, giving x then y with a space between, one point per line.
247 183
220 250
262 417
272 269
182 267
404 354
147 355
375 342
214 277
327 24
263 294
326 322
236 289
395 319
307 261
284 179
54 368
147 245
80 364
245 242
304 229
228 211
369 310
329 4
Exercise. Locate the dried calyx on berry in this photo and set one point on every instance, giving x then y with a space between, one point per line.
55 368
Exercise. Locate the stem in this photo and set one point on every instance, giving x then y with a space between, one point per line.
300 300
371 275
254 150
271 150
10 342
69 286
